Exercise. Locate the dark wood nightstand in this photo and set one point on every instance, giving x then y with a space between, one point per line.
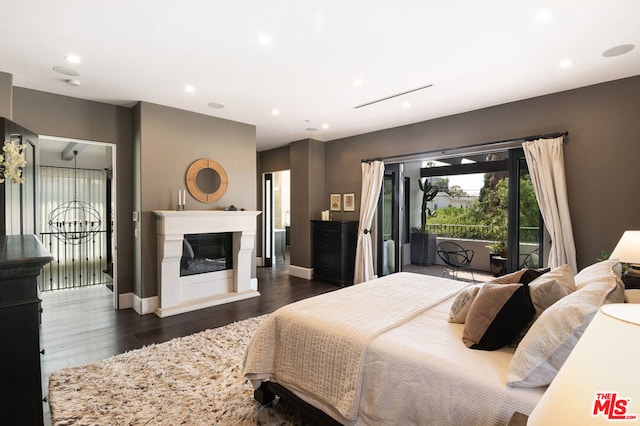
518 419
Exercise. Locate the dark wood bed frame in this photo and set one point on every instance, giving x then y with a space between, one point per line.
267 392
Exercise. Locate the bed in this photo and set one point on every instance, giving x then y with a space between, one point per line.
409 364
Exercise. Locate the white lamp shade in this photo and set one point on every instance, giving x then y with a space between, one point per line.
600 375
628 248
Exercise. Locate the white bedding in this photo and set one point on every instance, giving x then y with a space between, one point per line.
421 373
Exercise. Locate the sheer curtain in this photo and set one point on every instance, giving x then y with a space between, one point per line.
545 159
372 174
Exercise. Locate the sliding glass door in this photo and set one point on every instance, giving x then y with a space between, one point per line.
390 220
484 201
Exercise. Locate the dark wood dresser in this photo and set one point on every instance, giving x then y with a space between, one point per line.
334 250
21 260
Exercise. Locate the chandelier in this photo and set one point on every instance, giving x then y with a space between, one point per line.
74 222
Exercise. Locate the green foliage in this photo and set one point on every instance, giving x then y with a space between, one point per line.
428 194
487 215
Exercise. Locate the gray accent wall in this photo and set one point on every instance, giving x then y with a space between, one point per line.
601 153
66 117
167 141
6 95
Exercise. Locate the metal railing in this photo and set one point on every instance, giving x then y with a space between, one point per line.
75 265
528 234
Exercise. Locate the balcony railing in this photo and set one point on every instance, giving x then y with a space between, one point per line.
480 232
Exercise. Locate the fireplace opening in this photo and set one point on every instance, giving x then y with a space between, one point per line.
203 253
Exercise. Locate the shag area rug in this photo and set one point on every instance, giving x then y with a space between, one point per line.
192 380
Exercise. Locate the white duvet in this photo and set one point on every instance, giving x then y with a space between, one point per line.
420 373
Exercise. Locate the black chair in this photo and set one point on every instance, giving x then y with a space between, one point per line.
531 260
456 258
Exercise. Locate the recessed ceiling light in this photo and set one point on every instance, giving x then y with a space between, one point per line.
566 63
73 59
189 89
275 111
325 125
544 15
73 82
406 105
357 82
215 105
618 50
264 39
311 129
66 71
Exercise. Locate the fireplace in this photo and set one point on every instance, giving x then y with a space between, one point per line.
204 253
221 241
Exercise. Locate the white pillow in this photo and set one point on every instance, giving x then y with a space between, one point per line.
462 303
551 338
608 271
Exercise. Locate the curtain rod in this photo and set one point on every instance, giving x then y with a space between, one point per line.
487 144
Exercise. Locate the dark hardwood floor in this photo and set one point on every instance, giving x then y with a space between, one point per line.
80 326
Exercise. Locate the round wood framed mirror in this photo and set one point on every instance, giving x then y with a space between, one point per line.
206 180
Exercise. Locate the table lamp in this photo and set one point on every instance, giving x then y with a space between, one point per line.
628 251
598 383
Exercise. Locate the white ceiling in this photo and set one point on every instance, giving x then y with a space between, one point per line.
475 54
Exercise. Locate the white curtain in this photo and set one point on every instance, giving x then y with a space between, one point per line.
545 159
372 174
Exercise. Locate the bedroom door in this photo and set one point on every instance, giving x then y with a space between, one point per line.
390 218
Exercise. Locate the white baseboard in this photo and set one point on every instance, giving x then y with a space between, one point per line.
300 272
125 301
141 306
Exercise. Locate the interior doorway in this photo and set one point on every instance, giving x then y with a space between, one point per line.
276 217
76 196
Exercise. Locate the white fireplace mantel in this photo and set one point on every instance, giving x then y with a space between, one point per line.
178 294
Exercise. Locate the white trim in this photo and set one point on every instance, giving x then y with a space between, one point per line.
300 272
144 306
125 301
259 261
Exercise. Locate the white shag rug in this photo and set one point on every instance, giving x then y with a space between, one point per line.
192 380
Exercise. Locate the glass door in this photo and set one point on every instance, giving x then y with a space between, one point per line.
390 218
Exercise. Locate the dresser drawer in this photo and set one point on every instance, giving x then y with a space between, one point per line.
334 250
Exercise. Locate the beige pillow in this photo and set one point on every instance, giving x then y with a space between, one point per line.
496 316
462 303
547 289
511 278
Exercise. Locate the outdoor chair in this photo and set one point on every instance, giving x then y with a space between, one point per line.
455 258
531 260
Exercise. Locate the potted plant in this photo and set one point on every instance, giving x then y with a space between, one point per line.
498 254
423 244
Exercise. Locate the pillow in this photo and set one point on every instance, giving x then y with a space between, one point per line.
496 316
462 303
550 287
545 290
609 271
551 338
511 278
523 276
531 274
